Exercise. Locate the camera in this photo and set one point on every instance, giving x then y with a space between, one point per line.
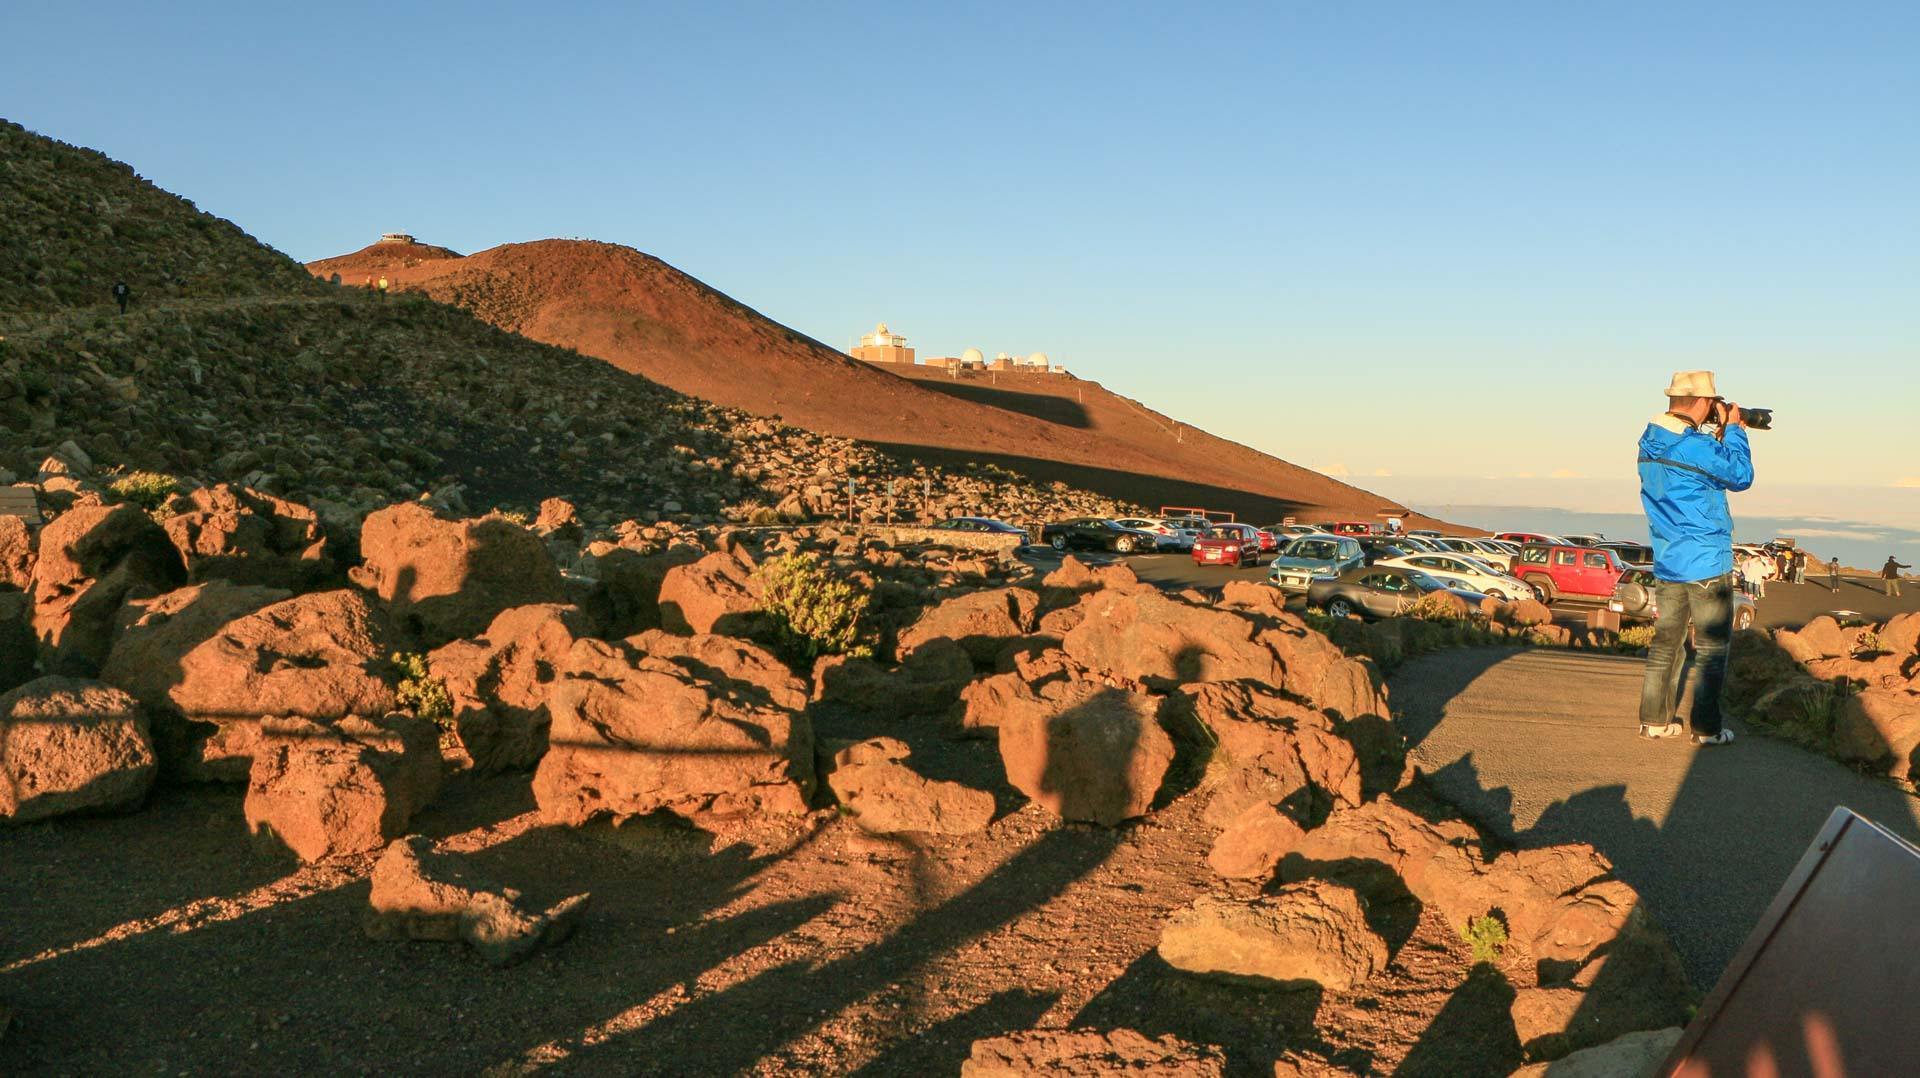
1757 418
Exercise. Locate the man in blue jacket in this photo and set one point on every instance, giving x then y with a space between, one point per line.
1690 457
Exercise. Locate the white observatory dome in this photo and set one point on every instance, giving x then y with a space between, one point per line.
1038 359
972 355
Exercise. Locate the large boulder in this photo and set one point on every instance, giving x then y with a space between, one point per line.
93 558
419 894
1879 727
929 682
1631 1055
1254 842
1087 752
321 789
16 554
445 579
233 533
498 683
154 634
717 594
1085 1053
1265 749
635 734
321 656
743 668
69 746
1821 638
980 622
872 781
1313 933
625 595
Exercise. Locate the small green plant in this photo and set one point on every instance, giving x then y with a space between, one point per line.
1436 606
813 613
148 490
514 516
1634 638
1867 643
421 694
1488 936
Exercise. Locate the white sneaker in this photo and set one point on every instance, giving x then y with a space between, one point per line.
1655 733
1724 737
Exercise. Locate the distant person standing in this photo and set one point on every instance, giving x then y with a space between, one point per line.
383 286
1799 567
1833 575
122 295
1756 569
1690 456
1890 573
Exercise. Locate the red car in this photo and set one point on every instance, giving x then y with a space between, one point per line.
1346 527
1556 570
1228 544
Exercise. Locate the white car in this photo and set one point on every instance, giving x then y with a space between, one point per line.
1169 534
1465 573
1490 551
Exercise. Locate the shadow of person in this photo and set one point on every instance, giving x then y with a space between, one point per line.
1472 1034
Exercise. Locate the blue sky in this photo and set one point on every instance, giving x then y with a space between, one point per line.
1463 240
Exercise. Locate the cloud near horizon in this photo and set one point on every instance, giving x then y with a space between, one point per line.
1908 482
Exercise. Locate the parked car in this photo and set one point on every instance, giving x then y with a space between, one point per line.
1311 556
1485 549
980 524
1428 533
1345 527
1523 538
1228 544
1288 531
1469 574
1557 570
1583 539
1098 533
1421 542
1167 535
1379 591
1633 599
1631 553
1378 548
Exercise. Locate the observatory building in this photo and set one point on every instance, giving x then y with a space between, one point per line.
883 346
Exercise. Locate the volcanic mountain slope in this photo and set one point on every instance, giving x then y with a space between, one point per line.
235 364
642 315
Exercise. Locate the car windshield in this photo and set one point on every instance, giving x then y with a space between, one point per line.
1222 533
1423 581
1483 567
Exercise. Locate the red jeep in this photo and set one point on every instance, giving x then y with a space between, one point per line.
1561 569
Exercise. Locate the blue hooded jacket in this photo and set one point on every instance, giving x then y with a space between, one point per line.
1684 478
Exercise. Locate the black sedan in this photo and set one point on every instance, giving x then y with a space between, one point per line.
1097 533
1376 591
980 525
1381 547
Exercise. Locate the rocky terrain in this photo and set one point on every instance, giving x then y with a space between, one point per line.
642 315
993 809
1849 690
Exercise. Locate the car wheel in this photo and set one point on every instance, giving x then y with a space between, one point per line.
1743 619
1123 545
1542 589
1340 608
1496 593
1059 542
1254 562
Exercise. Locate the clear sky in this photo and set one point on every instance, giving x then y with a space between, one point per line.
1466 240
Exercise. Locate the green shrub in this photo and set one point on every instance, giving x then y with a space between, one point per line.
1866 644
813 613
1435 606
148 490
1488 936
421 694
1634 638
513 516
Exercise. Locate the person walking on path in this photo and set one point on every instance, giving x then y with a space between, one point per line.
1685 474
122 295
1799 567
1890 573
1833 575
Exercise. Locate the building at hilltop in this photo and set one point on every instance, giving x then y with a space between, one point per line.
396 237
973 360
883 346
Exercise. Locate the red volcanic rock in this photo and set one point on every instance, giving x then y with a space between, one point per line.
742 668
1265 749
92 558
1312 933
499 682
445 579
1087 752
233 533
1085 1053
323 789
69 746
981 622
16 640
717 594
634 734
422 895
16 554
873 783
1254 842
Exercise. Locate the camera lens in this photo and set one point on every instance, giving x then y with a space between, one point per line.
1757 418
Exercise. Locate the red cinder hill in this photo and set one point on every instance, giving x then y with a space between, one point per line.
642 315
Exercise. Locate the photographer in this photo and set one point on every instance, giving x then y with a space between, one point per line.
1690 457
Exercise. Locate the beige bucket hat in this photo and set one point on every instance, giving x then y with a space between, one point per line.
1692 384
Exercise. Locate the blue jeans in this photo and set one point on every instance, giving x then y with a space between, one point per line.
1707 605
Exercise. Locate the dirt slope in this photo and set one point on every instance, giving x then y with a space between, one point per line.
642 315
